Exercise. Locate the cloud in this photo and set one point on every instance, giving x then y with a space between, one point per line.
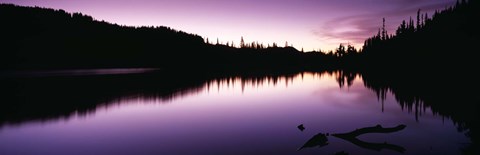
356 28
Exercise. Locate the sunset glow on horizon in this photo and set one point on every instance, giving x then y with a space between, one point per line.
307 24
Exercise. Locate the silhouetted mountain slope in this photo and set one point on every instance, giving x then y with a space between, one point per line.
446 40
48 38
39 38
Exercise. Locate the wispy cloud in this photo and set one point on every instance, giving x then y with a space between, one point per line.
356 28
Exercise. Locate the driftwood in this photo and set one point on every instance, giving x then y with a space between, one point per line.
352 137
375 129
321 139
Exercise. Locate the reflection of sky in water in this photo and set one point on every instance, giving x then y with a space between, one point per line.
239 118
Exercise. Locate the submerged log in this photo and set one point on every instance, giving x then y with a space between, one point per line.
352 137
375 129
319 140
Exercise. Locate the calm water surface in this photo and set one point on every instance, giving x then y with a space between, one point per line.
239 116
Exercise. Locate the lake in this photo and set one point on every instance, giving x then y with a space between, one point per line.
181 115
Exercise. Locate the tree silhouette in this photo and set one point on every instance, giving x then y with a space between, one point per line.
340 50
384 32
351 49
438 39
39 38
418 20
242 43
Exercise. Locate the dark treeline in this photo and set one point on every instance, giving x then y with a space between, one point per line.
444 40
47 38
427 63
39 38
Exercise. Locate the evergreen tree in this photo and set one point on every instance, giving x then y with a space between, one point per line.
425 19
242 43
418 19
340 51
384 32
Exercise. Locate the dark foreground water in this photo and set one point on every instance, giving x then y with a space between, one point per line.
229 115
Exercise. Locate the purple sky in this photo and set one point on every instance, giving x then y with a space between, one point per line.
311 24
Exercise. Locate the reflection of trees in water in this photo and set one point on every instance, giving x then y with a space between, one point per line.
445 94
343 77
83 94
52 98
42 99
250 80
